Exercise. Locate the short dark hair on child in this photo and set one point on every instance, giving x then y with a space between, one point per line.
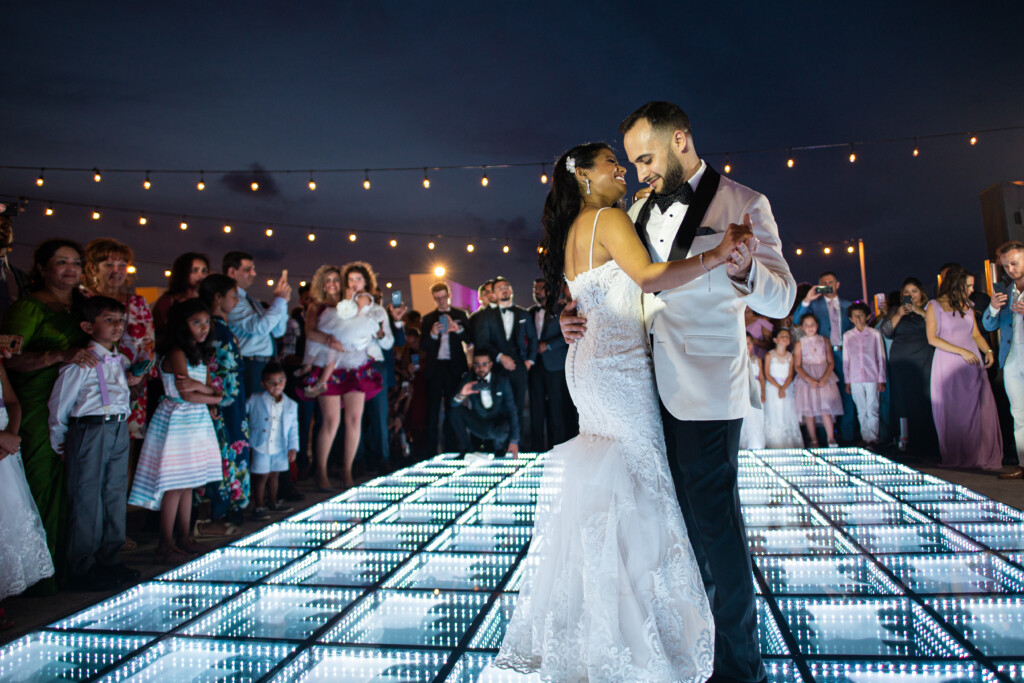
779 330
271 368
858 306
95 306
805 316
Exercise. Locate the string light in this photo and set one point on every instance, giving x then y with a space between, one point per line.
167 273
201 185
849 250
49 209
484 181
96 215
916 150
853 155
426 180
470 248
728 166
254 185
504 249
430 245
543 175
393 243
827 250
366 180
799 251
311 237
183 225
142 220
789 161
145 183
352 237
270 283
439 271
96 175
227 228
974 139
39 180
131 270
540 249
269 232
312 183
302 283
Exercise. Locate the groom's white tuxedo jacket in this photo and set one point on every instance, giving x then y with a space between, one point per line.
699 338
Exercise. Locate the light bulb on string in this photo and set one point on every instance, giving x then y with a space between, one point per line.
145 183
799 251
484 181
270 283
916 150
470 248
505 249
96 215
49 209
201 185
827 250
311 237
312 183
352 237
142 220
227 228
269 232
167 273
393 242
728 166
849 250
388 285
974 139
184 224
96 175
790 162
39 180
439 271
132 270
430 245
426 179
366 179
254 186
853 154
543 175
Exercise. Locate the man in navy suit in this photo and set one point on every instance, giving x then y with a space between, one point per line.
444 360
484 408
549 393
831 313
1006 319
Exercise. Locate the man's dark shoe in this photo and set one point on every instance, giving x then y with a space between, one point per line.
94 580
1015 473
123 574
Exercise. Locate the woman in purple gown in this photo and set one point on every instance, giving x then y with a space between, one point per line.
962 401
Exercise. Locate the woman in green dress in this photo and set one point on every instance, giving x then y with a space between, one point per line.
47 318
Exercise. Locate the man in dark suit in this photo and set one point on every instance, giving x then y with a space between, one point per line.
508 330
485 294
831 313
483 408
444 360
549 394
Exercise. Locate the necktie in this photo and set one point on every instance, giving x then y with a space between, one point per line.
256 306
682 194
104 392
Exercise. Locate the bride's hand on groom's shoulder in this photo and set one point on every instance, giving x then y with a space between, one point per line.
573 325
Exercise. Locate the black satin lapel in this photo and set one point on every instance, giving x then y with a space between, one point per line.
641 222
706 189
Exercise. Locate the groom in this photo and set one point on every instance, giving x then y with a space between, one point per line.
700 357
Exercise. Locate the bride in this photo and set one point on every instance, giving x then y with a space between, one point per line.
612 591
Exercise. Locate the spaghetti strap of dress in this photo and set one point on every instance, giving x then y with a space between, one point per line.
593 234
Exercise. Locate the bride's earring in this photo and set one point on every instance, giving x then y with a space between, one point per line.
588 185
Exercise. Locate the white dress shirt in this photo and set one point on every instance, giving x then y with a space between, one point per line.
508 319
486 400
77 392
662 227
256 328
444 348
275 440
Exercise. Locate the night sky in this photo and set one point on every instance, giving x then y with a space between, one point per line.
230 85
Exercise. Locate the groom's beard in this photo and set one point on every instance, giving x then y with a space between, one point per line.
673 177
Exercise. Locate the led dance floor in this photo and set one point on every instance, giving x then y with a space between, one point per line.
866 571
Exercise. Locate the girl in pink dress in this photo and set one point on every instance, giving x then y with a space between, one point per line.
962 401
817 387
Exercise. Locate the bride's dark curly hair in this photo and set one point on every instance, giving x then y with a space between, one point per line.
560 210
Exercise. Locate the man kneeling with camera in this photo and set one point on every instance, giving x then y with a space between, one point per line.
484 408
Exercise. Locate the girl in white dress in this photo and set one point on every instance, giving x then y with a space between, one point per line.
354 323
752 432
781 421
24 557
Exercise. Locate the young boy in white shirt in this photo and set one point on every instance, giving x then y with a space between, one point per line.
89 408
864 370
273 439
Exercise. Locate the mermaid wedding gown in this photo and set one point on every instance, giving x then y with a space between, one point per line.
613 592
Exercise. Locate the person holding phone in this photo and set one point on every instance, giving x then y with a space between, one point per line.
484 407
444 361
1006 314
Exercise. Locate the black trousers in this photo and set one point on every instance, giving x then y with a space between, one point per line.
550 405
518 379
466 423
442 386
703 459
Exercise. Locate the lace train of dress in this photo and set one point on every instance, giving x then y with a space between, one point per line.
24 557
612 591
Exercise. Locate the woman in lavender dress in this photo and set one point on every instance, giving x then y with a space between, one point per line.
962 401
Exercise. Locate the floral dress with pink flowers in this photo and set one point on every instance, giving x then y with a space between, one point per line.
231 425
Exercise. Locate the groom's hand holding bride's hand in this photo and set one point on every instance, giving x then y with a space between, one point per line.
573 326
740 241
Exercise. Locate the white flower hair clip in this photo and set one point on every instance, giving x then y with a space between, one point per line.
347 309
570 165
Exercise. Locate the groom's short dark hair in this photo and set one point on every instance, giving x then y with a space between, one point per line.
664 117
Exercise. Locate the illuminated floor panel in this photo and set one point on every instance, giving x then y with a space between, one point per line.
866 572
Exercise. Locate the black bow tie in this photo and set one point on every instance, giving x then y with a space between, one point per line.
506 310
682 194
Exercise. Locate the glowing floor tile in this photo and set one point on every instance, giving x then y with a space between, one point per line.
769 496
498 515
293 535
486 539
408 480
845 494
448 494
768 632
241 565
872 627
47 656
798 541
838 575
277 612
775 516
873 514
804 480
993 625
358 665
921 538
421 513
340 568
891 672
346 512
986 511
469 571
397 618
407 537
192 659
888 481
816 470
781 670
374 494
995 536
150 607
508 495
955 574
934 492
492 629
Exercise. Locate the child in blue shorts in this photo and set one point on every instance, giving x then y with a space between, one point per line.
273 439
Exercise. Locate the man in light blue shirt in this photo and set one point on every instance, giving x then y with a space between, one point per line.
255 327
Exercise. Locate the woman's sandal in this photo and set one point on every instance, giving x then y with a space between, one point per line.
129 545
205 528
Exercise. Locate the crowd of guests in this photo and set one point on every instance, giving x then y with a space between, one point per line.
213 400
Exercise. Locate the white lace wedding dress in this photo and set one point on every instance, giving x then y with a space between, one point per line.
24 557
613 592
